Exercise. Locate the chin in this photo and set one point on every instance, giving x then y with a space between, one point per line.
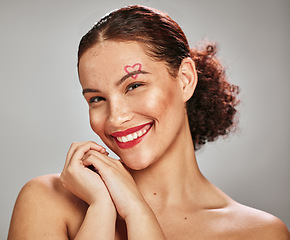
137 166
136 161
135 158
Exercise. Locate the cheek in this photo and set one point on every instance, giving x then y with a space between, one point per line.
96 122
160 101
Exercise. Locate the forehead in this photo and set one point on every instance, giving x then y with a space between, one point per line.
109 60
111 53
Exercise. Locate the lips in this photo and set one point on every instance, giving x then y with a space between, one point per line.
132 136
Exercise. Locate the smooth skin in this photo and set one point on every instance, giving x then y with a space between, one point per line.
155 190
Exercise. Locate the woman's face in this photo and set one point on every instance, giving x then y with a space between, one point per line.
135 106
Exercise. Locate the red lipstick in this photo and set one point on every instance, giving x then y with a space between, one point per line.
133 132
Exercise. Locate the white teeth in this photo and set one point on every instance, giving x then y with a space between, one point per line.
124 139
131 137
139 133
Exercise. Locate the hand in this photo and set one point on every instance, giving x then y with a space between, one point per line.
109 185
121 185
82 181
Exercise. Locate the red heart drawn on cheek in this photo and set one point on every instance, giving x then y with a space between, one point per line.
135 68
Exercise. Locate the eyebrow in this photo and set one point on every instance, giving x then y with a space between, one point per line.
89 90
130 74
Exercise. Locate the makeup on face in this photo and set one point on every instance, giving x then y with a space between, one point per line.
132 71
135 68
142 112
132 136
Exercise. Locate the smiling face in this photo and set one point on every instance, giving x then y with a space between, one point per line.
135 106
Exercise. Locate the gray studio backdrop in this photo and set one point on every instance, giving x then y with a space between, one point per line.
43 112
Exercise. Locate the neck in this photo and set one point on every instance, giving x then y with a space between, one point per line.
173 177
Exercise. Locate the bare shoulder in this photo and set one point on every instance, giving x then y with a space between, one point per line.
49 187
47 190
43 209
257 224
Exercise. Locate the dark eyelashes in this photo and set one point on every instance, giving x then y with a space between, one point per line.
93 99
129 88
133 86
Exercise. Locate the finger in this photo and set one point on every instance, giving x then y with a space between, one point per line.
99 161
97 165
78 150
93 153
88 154
71 151
75 153
104 151
110 161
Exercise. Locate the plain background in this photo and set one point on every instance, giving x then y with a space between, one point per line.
43 112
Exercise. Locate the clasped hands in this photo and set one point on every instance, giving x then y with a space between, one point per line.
110 185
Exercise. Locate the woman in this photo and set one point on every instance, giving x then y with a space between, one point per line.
153 101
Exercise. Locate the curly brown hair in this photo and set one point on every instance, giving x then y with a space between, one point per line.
212 107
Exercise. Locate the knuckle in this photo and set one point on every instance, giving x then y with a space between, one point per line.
74 144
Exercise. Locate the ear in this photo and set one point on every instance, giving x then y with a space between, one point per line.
187 77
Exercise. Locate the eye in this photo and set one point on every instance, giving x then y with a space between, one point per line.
96 99
133 86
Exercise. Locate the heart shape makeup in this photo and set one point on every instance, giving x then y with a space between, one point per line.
133 68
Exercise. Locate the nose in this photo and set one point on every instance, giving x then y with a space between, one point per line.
119 113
